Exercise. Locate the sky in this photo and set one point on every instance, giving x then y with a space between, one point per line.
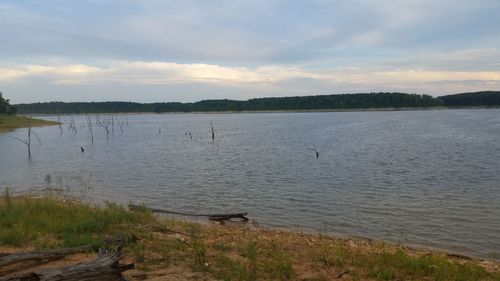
161 50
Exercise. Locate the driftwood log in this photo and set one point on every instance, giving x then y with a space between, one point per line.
49 255
38 257
12 262
106 267
214 217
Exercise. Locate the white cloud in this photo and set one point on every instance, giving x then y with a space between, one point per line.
279 80
153 73
50 73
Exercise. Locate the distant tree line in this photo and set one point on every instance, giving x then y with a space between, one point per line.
488 98
321 102
5 107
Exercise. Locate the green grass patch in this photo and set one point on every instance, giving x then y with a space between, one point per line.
399 266
11 122
48 223
229 270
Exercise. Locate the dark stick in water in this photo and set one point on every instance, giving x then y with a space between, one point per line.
215 217
317 153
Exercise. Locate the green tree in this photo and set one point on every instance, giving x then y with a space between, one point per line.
3 104
5 107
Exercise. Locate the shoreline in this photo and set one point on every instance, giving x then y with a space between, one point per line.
227 251
382 109
253 224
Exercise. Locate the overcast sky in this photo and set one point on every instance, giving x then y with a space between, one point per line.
159 50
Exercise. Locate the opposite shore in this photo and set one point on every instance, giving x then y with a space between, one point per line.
10 123
374 109
338 102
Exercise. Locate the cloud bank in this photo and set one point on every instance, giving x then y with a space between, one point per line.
191 50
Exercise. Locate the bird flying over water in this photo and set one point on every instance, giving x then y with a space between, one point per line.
81 147
317 153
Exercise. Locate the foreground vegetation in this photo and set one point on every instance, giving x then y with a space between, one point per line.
11 122
321 102
187 250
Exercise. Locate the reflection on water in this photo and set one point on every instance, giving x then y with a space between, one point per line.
430 178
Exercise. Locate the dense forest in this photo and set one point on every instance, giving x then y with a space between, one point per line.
5 107
489 98
322 102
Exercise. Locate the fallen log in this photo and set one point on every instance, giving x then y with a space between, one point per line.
106 267
55 254
214 217
37 257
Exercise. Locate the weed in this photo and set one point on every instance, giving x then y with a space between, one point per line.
7 198
198 247
251 254
230 270
399 265
330 253
280 264
221 247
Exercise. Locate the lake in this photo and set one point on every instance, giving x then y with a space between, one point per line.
429 178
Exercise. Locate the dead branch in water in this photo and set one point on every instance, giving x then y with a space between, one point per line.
72 125
112 123
59 121
89 126
27 141
120 124
213 131
313 149
214 217
105 125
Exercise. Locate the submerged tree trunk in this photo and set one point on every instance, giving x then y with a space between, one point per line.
213 132
29 142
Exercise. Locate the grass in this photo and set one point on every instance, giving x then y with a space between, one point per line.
225 252
11 122
49 223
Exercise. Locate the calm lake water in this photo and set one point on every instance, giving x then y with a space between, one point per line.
428 178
